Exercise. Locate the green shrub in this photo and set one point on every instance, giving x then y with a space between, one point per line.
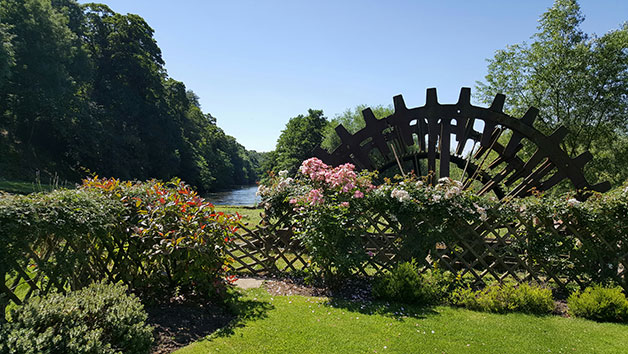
45 222
177 236
162 237
505 298
405 284
600 304
101 318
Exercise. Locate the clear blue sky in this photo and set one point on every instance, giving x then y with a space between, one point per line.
256 64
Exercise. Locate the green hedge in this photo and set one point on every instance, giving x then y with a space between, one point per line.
159 238
599 303
73 224
505 298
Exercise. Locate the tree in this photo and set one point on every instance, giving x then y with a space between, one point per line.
576 80
352 120
38 91
83 88
297 141
7 59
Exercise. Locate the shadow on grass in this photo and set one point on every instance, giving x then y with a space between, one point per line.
244 310
178 324
398 311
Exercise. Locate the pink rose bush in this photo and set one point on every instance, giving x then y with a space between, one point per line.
331 208
325 203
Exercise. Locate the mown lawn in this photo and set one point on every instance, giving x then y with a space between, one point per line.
22 187
297 324
250 216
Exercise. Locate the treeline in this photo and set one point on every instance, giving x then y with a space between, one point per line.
84 90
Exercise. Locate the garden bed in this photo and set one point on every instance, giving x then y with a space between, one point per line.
180 323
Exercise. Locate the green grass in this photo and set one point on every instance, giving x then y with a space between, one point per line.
17 187
250 216
297 324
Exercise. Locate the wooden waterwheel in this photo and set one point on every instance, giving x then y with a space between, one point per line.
481 147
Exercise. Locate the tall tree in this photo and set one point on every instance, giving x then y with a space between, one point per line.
352 120
576 80
38 93
7 59
128 87
297 141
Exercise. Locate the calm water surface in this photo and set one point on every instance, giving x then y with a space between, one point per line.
244 195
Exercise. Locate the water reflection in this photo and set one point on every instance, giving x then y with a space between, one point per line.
244 195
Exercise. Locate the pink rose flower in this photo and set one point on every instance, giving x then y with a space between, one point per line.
315 197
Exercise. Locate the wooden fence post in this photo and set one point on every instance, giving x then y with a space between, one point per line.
4 297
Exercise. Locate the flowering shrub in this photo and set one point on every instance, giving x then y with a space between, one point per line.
325 205
578 239
331 208
176 237
429 214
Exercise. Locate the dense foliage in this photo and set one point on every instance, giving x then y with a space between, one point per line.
84 218
404 284
302 134
576 80
352 120
331 208
176 235
505 298
159 238
101 318
85 88
599 303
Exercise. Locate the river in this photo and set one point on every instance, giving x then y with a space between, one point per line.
244 195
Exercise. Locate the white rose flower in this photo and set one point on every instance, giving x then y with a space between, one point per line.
283 173
452 192
481 211
443 180
283 183
262 190
400 194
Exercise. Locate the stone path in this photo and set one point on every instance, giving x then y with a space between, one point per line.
249 283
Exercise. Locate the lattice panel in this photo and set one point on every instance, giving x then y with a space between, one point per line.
487 251
266 249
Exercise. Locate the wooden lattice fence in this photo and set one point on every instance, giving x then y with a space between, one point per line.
62 262
485 251
519 251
